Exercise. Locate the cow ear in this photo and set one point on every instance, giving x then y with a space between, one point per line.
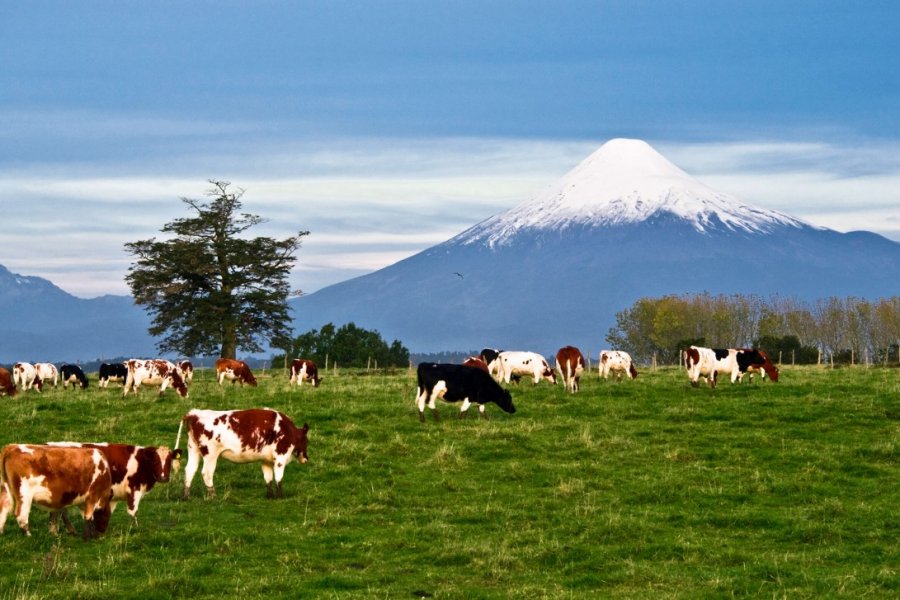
305 427
176 453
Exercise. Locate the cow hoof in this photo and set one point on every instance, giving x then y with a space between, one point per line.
421 417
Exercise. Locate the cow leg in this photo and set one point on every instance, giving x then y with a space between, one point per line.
70 529
268 475
464 408
191 469
52 522
5 504
22 509
481 411
209 469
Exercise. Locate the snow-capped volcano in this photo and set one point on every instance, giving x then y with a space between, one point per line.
626 181
622 225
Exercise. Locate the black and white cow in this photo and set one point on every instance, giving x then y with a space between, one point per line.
453 383
112 372
73 374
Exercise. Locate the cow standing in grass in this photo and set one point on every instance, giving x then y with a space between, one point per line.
74 375
304 369
134 470
112 372
235 371
617 362
454 383
240 436
54 479
570 364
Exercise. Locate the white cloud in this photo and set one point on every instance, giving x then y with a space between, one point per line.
369 203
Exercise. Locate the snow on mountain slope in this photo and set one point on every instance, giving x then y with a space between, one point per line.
626 181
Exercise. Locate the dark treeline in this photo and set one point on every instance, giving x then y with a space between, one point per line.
835 330
346 346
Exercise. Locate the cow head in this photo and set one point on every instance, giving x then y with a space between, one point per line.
246 375
549 374
178 383
503 399
168 463
768 366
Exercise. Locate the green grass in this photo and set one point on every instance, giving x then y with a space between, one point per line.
646 488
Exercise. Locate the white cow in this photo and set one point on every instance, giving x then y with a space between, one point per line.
25 374
525 364
47 372
617 362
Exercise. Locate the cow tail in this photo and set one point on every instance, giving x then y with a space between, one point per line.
178 437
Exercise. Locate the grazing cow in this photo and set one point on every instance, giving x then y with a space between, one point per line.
112 372
7 385
235 371
752 360
452 383
186 368
134 471
54 479
25 374
46 372
525 364
736 362
303 369
617 362
477 362
153 372
73 374
240 436
570 364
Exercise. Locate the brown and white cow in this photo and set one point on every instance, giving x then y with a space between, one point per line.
55 478
25 375
617 362
186 368
7 384
153 372
46 372
134 471
256 435
304 369
525 364
235 371
570 364
477 362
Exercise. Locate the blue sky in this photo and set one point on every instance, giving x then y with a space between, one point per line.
387 127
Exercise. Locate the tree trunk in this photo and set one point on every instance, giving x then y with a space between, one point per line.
229 341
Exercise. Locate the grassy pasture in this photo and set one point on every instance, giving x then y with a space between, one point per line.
638 489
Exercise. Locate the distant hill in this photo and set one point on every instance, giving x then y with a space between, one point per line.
624 224
41 322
